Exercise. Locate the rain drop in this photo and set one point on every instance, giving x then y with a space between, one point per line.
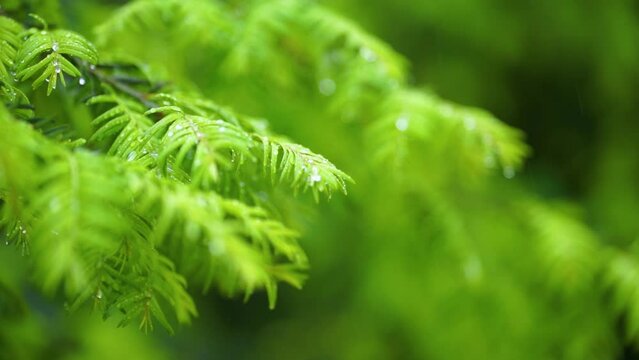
217 247
470 123
99 294
367 54
201 201
509 172
54 204
327 87
82 81
489 160
315 176
131 156
55 47
447 110
402 123
473 269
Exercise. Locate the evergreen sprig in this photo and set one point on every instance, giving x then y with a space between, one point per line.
46 54
101 218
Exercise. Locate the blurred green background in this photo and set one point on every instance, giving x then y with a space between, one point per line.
404 270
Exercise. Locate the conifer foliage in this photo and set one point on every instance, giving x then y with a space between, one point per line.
157 174
144 187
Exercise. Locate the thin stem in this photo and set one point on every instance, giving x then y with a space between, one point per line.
140 96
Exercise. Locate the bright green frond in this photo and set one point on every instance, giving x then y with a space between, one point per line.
413 117
48 55
9 43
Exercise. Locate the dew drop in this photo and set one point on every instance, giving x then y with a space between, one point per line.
201 201
367 54
327 87
447 110
99 294
170 133
82 81
473 269
55 47
315 176
92 67
509 172
222 129
489 160
217 247
57 70
402 123
131 156
54 204
178 127
470 123
42 32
